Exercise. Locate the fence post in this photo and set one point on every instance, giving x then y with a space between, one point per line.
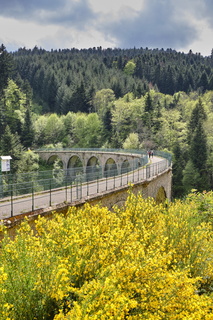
11 200
32 196
66 187
148 171
81 188
87 186
71 192
50 194
114 179
97 185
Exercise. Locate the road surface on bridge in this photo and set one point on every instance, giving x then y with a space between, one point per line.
71 194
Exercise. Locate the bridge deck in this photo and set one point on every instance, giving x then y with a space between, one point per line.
71 194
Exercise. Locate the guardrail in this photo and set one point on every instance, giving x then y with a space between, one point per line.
19 184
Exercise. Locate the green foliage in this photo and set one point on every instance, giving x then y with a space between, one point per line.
54 129
131 142
6 66
28 162
198 116
191 177
88 131
129 68
27 134
14 108
123 71
11 146
159 95
58 172
178 163
198 147
103 101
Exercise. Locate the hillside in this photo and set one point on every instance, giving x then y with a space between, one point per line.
113 98
66 80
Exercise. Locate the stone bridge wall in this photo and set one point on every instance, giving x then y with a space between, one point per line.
85 156
158 187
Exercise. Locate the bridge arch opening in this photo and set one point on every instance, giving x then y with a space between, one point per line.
93 169
161 195
125 167
110 168
74 167
58 173
54 159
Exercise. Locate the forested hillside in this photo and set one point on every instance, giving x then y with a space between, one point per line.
135 98
66 80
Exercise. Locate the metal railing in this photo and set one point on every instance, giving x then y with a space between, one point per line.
20 184
71 186
99 150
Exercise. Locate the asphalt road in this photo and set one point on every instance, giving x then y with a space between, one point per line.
70 194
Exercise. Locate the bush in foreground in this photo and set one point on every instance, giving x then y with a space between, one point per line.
142 261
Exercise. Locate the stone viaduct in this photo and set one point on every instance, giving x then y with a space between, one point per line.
88 159
157 184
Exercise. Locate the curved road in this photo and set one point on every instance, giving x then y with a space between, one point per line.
28 203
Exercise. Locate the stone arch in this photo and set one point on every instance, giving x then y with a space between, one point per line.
75 167
58 172
110 168
53 158
125 166
93 169
161 195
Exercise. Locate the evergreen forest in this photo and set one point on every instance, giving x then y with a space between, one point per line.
114 98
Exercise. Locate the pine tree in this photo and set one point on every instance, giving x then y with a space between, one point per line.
107 122
169 81
148 111
27 136
11 146
148 103
6 65
52 93
198 114
178 164
79 100
203 82
198 146
139 69
191 177
2 116
157 121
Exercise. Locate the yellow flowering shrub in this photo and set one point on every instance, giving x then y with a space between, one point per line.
142 261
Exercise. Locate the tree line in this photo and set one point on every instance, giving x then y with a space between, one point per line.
66 80
109 98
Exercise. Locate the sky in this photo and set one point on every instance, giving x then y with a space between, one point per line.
181 25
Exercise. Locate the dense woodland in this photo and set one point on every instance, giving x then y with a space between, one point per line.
133 98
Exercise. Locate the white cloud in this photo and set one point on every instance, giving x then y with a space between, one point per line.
71 38
18 34
115 6
203 44
180 25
